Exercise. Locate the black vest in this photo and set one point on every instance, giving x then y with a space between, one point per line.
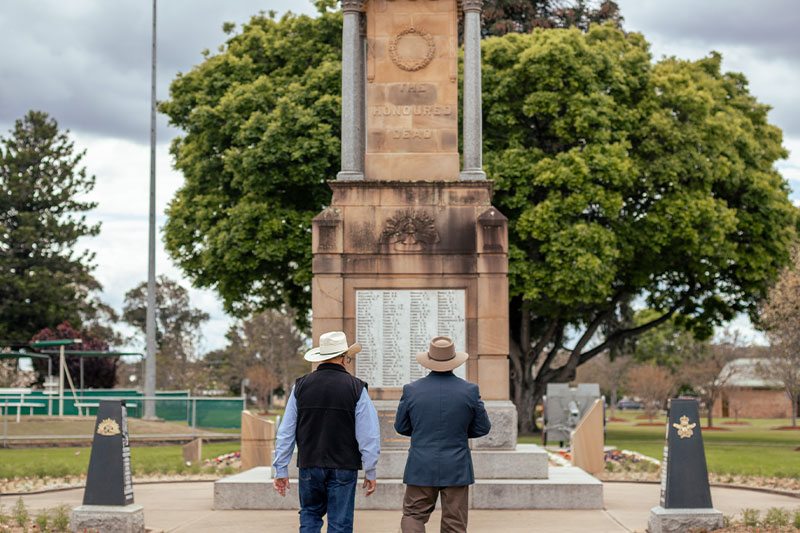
326 418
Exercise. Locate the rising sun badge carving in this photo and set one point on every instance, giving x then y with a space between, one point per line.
108 427
684 428
409 230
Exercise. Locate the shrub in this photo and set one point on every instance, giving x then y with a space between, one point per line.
797 518
20 513
43 520
750 517
777 517
61 518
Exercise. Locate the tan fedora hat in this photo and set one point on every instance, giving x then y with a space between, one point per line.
442 355
331 344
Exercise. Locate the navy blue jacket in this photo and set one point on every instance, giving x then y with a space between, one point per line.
440 412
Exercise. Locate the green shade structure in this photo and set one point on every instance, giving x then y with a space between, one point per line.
59 342
20 355
87 353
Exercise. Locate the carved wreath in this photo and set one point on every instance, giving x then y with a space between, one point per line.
408 63
409 228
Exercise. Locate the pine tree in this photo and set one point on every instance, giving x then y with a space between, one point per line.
44 281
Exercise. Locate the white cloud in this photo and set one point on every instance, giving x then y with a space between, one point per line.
747 333
122 171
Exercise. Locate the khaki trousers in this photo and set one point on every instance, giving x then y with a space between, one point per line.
419 502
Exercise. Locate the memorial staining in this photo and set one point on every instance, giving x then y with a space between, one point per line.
684 428
108 427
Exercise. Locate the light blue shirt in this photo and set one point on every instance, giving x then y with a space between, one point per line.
368 435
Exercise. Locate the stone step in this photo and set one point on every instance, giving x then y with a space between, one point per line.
528 461
566 488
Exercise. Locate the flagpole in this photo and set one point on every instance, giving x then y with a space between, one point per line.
150 361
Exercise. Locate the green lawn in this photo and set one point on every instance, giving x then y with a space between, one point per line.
754 449
57 462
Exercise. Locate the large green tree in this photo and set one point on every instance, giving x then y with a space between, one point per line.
261 123
620 178
44 280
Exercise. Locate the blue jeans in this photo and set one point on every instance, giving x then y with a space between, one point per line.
327 490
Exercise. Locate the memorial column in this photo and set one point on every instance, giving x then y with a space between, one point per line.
353 110
472 166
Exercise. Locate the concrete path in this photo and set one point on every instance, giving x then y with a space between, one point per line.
187 507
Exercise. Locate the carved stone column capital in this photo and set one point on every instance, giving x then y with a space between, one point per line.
471 5
350 6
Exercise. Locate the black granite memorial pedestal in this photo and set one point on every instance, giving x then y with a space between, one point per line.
108 498
685 493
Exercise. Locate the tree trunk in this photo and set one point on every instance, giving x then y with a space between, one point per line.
613 402
526 409
710 406
526 399
793 397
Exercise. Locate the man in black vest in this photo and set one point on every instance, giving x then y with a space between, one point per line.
331 416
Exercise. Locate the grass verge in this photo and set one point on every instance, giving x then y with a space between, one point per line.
753 449
60 462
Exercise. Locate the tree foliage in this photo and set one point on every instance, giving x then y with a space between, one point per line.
781 317
98 372
500 17
178 332
265 349
607 373
708 372
621 179
653 384
262 128
44 281
668 345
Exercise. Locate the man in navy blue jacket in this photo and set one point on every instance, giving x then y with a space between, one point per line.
439 412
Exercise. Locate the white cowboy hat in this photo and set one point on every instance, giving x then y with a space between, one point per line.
442 355
331 344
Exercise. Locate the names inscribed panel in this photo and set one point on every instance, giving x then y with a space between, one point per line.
394 325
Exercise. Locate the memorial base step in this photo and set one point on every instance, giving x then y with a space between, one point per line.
565 488
528 461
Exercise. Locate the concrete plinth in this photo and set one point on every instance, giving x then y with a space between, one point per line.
679 520
566 488
503 435
119 519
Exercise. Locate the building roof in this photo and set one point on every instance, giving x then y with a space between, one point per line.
744 373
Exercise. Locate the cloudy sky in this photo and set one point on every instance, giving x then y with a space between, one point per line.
87 63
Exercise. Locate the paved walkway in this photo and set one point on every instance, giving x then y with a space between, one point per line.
187 507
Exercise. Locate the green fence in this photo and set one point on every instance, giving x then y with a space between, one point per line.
173 406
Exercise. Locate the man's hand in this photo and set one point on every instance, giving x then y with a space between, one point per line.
281 485
369 486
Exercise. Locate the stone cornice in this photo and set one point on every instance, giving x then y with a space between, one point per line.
471 5
351 6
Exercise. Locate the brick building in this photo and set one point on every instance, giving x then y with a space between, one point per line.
749 395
